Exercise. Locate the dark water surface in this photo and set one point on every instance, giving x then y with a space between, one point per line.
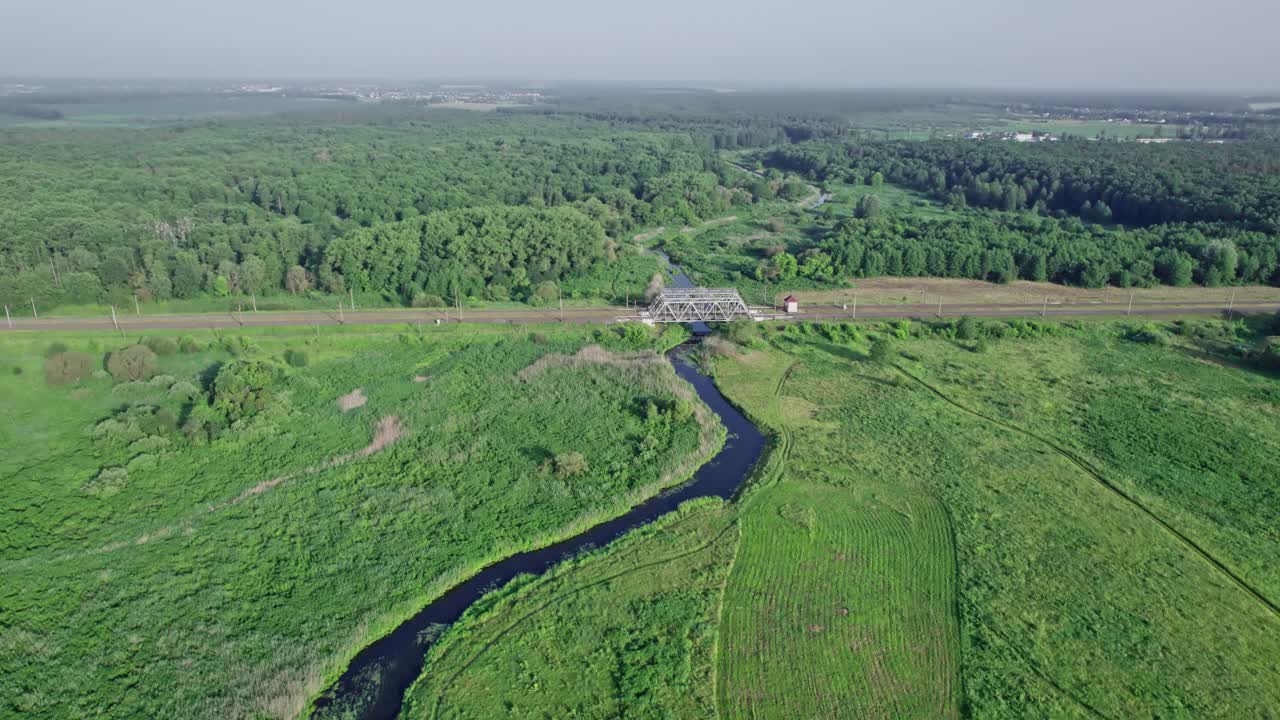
374 685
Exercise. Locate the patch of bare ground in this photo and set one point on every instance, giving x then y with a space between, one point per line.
590 355
387 431
352 400
421 378
645 237
714 222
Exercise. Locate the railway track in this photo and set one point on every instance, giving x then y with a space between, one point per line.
604 315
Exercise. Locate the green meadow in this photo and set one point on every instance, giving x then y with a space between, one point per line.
975 519
221 535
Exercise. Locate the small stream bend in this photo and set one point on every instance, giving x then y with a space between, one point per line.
375 682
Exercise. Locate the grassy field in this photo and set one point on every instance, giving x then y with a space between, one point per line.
626 632
1106 552
957 291
152 575
840 605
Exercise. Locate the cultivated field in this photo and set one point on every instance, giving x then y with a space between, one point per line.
1109 555
840 604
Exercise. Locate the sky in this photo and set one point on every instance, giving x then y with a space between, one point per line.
1224 45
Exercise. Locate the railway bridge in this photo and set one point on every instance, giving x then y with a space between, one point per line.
694 304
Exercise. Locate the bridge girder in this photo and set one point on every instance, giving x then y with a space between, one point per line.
683 305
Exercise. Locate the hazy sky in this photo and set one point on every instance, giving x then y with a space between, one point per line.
1131 44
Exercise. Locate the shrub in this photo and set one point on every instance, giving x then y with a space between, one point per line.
1268 354
570 464
881 350
161 346
183 390
66 367
136 362
743 331
55 348
427 300
109 481
538 338
967 328
545 293
630 336
1148 334
295 358
17 369
189 345
244 387
714 347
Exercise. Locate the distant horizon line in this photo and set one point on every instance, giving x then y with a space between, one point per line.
484 81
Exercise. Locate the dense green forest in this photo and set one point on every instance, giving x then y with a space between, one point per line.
254 207
405 205
1082 213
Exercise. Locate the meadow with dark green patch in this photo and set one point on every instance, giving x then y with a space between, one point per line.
156 567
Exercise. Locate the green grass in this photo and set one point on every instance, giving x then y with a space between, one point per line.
200 587
628 631
840 605
1074 601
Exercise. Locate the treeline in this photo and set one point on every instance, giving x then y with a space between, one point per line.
499 252
1006 247
252 207
1127 183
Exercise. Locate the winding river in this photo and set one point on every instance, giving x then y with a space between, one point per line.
375 682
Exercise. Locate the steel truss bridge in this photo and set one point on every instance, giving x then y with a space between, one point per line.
683 305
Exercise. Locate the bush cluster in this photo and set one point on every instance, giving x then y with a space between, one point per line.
66 367
136 362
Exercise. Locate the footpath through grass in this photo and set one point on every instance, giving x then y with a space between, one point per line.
148 573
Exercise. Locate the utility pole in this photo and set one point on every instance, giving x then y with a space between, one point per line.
855 306
458 302
254 297
341 319
351 293
1129 312
1044 309
7 318
34 314
939 306
561 298
240 313
136 307
115 322
1231 305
